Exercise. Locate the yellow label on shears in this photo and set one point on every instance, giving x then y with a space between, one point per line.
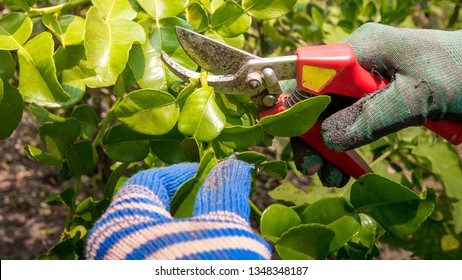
314 77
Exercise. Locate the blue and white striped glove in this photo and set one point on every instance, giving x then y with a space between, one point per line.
137 224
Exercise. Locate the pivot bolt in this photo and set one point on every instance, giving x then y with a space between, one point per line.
254 80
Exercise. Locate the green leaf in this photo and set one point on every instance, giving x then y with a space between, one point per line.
68 197
69 29
87 118
117 9
90 209
267 9
74 84
241 137
182 204
38 82
8 65
337 214
201 117
197 16
81 159
43 115
11 107
22 4
159 9
251 157
107 44
318 17
119 139
275 168
186 92
368 232
59 136
305 242
290 193
147 111
396 208
145 61
277 219
38 155
230 20
237 42
446 164
15 29
296 120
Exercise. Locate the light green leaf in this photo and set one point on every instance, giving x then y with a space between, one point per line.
119 139
11 107
43 115
396 208
60 136
230 20
267 9
251 157
318 17
277 219
22 4
290 193
201 117
117 9
69 29
296 120
147 111
107 45
74 84
145 61
8 65
38 82
197 16
305 242
446 164
15 29
159 9
237 42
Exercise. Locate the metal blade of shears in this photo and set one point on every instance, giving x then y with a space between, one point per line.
211 55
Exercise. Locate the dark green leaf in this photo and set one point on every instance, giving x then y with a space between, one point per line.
182 204
15 29
251 157
81 159
90 210
87 118
11 107
40 156
241 137
305 242
230 20
288 192
68 57
197 16
201 117
186 92
277 219
275 168
38 82
267 9
169 147
146 111
59 136
68 197
8 65
53 199
296 120
396 208
119 139
43 115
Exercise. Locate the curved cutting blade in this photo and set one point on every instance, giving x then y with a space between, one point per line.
213 56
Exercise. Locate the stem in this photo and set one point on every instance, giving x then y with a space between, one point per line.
381 157
203 78
38 12
71 212
255 208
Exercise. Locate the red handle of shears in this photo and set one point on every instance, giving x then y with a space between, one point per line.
333 69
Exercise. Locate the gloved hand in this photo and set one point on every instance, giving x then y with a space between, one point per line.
137 224
425 67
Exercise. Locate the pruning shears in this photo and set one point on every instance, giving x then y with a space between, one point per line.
318 70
